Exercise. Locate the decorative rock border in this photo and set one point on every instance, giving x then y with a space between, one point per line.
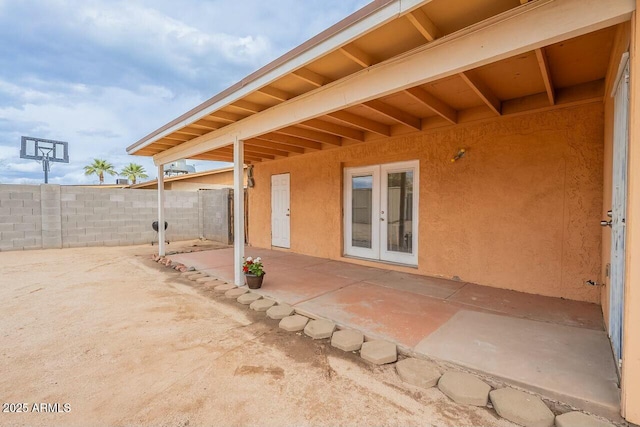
419 373
379 352
521 408
514 405
293 323
248 298
464 388
347 340
319 329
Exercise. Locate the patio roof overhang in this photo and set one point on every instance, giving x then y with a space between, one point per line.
396 67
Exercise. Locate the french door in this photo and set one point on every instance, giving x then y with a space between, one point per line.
381 212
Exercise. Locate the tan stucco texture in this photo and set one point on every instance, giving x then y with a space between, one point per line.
520 211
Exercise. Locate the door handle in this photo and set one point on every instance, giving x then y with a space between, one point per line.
605 223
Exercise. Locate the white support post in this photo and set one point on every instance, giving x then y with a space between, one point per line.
161 231
238 209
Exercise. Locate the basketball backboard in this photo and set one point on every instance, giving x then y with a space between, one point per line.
41 149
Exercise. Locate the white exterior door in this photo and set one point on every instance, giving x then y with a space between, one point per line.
381 212
619 211
280 211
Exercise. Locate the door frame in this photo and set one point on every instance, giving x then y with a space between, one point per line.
288 214
378 251
619 187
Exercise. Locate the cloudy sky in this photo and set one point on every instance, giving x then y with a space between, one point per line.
101 74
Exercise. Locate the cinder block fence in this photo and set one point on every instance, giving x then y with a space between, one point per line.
54 216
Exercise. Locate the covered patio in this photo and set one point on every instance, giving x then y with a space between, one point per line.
553 346
478 142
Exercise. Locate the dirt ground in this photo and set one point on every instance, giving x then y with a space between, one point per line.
116 339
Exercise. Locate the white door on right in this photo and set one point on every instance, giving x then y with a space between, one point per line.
280 211
381 212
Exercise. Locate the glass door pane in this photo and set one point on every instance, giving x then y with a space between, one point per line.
361 206
361 211
400 211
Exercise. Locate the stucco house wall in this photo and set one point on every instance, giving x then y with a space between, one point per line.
520 211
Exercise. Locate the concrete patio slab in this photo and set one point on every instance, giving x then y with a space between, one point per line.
197 276
299 285
522 408
464 388
248 298
421 285
262 304
573 365
578 419
290 261
279 312
417 372
379 352
294 323
348 271
347 340
319 329
382 312
519 304
205 259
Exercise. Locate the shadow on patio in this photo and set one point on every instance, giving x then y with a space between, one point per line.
555 347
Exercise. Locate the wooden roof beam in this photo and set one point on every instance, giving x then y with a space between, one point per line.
276 94
222 156
181 138
311 77
247 152
311 135
394 113
543 63
223 116
258 149
275 145
424 25
192 131
361 122
291 140
481 89
247 106
357 55
166 142
208 124
433 103
334 129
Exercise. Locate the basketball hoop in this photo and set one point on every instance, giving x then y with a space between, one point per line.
44 151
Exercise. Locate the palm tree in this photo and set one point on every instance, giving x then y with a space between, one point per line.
133 171
100 167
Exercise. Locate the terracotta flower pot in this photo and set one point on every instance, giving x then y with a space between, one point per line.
253 281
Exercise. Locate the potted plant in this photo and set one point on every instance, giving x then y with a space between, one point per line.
253 272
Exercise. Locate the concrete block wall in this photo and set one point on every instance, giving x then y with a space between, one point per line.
20 217
53 216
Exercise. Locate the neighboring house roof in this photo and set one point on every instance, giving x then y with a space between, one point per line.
401 66
183 177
